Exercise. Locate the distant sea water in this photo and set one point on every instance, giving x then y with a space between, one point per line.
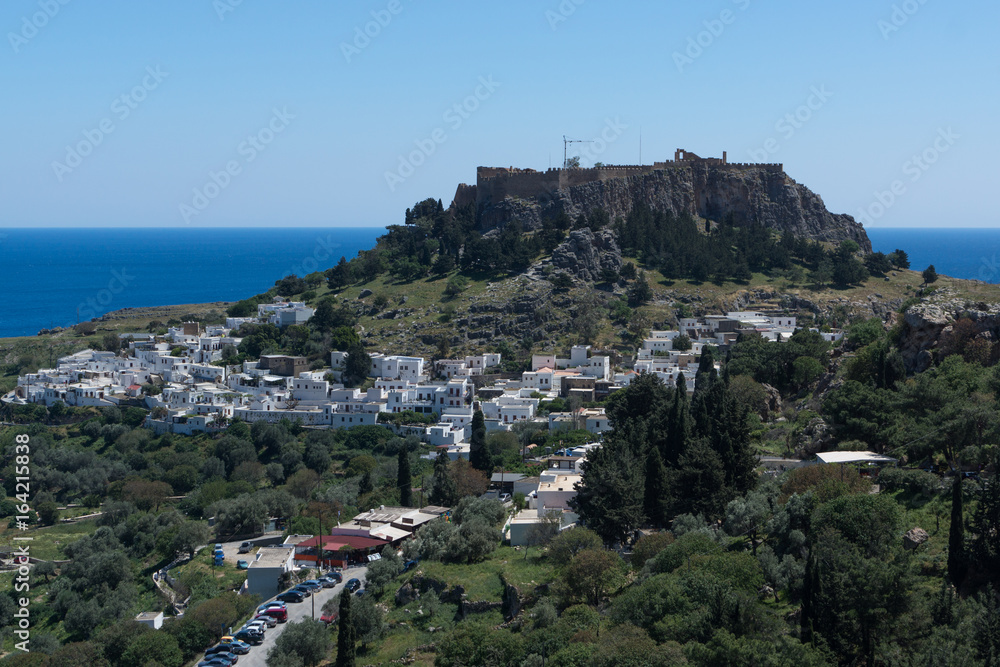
971 253
52 277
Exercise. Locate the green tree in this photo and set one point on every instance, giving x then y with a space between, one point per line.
957 563
308 639
356 366
899 259
367 618
639 292
444 491
476 643
655 498
569 543
346 638
929 275
479 454
189 536
404 478
593 573
610 498
158 647
382 571
682 343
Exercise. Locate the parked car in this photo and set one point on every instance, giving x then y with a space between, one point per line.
226 659
312 584
361 593
330 617
336 576
273 603
271 621
256 625
303 591
327 582
353 584
505 498
237 647
292 596
280 614
214 661
249 637
242 565
245 548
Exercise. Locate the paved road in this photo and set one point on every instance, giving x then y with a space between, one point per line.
296 612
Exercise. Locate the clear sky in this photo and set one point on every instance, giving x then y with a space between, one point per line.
258 113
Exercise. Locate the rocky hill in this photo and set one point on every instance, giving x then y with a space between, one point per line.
758 195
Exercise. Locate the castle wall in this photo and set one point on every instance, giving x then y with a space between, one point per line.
494 184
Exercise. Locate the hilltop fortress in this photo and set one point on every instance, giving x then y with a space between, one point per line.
714 188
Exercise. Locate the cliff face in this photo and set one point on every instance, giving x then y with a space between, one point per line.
752 195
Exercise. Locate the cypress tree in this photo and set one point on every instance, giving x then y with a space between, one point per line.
479 456
655 491
444 493
366 485
345 637
678 423
956 535
404 477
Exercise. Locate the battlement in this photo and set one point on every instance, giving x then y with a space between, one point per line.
496 183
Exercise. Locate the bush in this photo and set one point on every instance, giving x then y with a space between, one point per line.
910 480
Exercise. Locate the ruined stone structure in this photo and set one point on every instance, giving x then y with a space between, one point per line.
712 188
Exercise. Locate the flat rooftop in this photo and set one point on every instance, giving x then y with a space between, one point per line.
272 557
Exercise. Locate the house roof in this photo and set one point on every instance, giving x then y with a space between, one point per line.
335 542
506 477
853 457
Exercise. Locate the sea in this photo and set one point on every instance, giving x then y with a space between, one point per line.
58 277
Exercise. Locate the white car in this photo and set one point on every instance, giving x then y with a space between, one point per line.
258 625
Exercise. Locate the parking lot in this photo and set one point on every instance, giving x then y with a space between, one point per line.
296 612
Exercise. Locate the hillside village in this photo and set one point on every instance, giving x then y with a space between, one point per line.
190 390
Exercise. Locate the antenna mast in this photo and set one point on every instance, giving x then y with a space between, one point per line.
566 142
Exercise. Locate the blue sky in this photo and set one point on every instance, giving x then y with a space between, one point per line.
259 113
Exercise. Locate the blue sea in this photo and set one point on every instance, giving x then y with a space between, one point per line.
56 277
971 253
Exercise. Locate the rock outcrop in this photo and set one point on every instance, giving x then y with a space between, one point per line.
749 195
929 326
585 254
914 537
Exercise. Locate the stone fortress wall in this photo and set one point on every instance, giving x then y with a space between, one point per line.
496 183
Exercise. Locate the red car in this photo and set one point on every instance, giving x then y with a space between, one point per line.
277 613
330 617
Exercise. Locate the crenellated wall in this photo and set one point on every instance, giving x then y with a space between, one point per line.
494 184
